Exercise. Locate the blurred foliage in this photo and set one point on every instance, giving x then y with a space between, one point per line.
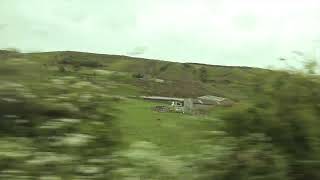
245 158
78 62
137 75
48 137
203 74
285 109
58 120
53 126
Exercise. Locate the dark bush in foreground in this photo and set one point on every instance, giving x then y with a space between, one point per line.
286 110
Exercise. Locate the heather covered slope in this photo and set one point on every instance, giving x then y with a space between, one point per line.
180 79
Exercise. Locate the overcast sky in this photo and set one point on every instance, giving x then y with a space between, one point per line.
226 32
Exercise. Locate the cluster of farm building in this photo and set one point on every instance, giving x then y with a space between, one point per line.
190 104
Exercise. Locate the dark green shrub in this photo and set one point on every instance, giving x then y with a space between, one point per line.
138 75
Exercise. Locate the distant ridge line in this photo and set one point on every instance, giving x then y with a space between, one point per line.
137 58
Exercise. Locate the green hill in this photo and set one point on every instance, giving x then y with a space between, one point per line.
74 115
180 79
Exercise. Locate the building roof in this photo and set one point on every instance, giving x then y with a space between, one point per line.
212 98
162 98
204 102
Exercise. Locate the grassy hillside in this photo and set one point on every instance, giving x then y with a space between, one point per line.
180 79
72 115
74 120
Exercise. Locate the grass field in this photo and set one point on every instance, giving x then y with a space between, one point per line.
174 133
156 145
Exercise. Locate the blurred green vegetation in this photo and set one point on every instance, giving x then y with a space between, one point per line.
71 115
53 125
285 109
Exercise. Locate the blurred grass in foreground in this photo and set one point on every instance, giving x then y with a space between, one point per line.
60 124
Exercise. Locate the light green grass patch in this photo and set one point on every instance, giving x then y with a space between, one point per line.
173 133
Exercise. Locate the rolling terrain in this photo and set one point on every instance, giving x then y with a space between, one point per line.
178 79
74 115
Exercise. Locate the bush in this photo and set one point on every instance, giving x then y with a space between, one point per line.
80 62
164 67
203 74
246 158
286 110
138 75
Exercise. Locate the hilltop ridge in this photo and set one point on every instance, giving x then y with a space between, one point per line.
179 79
